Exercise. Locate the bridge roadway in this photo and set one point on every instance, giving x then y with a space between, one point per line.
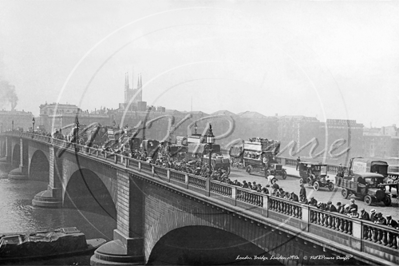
291 184
153 201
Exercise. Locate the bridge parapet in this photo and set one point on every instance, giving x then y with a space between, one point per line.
332 221
283 206
369 239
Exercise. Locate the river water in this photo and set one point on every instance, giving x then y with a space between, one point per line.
18 215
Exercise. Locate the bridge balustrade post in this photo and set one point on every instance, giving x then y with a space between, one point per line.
265 205
186 180
234 195
306 216
139 164
152 169
357 233
116 159
126 161
127 248
208 187
168 174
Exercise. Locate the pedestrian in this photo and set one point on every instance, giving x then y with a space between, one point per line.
373 215
321 206
302 193
339 176
312 201
281 192
353 205
353 213
346 209
298 161
391 222
330 207
340 208
380 219
275 185
287 195
270 179
364 215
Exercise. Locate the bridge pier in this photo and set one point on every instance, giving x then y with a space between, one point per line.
21 172
127 248
52 197
5 155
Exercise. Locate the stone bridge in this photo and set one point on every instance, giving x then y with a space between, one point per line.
151 203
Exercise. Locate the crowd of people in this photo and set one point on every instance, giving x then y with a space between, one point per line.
202 169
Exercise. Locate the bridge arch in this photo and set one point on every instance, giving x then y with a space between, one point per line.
212 246
86 191
16 156
39 166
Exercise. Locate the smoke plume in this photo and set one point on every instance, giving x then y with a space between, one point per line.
7 95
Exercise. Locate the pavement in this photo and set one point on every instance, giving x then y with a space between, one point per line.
291 184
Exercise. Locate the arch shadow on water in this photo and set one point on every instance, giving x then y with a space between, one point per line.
203 245
39 167
16 156
85 191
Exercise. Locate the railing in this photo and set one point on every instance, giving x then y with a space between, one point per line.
160 171
332 220
174 175
286 207
220 188
146 166
253 198
133 163
197 181
371 235
388 237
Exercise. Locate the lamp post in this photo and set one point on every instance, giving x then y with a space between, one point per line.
33 125
210 139
77 129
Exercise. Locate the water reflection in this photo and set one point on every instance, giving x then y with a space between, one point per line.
18 215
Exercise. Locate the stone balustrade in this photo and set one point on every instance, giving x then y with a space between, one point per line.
285 206
332 220
221 188
250 197
197 181
341 229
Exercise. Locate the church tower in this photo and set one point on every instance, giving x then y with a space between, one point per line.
127 89
131 92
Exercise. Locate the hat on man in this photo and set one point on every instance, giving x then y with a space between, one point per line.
339 203
389 216
319 203
347 206
329 202
372 211
352 200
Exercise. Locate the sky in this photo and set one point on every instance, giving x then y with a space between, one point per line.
324 59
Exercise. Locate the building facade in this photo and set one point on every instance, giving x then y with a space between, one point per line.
15 120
